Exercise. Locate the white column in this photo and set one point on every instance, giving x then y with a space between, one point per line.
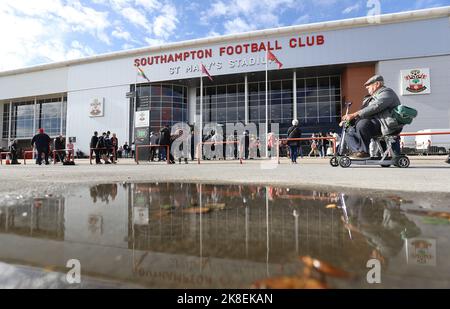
246 100
192 105
294 89
62 114
10 118
267 105
34 116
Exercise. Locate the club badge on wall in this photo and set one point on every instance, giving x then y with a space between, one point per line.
142 119
416 81
96 108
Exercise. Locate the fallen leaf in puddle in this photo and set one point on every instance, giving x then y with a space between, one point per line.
50 269
160 214
216 206
324 268
377 255
290 283
436 221
197 210
434 214
331 206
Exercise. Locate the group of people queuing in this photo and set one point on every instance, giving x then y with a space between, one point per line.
43 147
105 147
321 144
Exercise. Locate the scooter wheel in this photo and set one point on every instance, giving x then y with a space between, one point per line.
334 162
345 162
403 162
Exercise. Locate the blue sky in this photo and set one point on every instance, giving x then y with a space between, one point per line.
41 31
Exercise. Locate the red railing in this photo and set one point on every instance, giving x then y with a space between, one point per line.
200 152
70 155
153 146
1 156
32 152
422 133
304 139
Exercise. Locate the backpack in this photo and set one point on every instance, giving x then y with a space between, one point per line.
404 114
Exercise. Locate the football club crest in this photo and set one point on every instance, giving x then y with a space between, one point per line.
96 108
416 81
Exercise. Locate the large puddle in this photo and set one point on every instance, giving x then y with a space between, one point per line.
171 235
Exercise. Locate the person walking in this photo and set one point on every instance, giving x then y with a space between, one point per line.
292 133
42 143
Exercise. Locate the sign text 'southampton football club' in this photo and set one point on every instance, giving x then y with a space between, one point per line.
246 54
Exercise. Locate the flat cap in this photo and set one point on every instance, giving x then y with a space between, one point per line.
374 79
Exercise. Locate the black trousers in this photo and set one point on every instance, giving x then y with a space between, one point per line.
358 138
39 157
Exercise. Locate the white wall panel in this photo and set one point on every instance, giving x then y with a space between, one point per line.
33 84
434 108
116 117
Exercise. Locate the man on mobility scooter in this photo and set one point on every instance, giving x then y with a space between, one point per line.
375 120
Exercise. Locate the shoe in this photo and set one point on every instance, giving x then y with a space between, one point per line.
360 155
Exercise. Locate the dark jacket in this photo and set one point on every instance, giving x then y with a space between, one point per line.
42 141
154 140
294 132
60 143
380 107
164 138
94 141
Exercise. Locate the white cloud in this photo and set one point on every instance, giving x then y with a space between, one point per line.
304 19
154 42
149 5
127 46
166 23
245 15
237 25
352 8
121 34
136 17
37 31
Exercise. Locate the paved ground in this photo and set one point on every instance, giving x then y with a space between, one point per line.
426 174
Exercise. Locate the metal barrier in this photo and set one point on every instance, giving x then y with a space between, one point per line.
70 151
33 152
430 147
90 153
1 156
153 146
200 153
304 139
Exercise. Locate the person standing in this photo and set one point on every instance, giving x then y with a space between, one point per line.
294 132
70 151
14 149
164 140
115 147
153 140
94 141
42 143
59 147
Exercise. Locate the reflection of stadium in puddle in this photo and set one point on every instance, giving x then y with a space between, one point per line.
225 236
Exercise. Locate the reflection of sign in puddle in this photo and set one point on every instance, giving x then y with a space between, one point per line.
421 251
140 216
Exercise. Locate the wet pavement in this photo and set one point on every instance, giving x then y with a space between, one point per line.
175 235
